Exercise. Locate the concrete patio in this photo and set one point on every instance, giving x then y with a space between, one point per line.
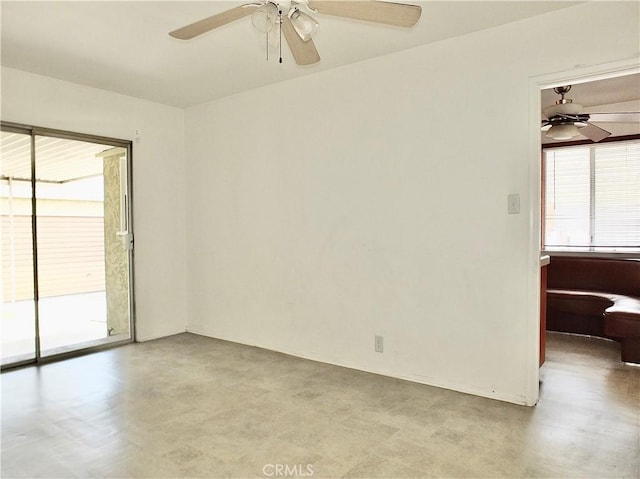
66 322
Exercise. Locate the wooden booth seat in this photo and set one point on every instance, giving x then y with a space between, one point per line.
598 297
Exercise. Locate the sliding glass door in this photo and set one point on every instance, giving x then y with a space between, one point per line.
75 228
18 326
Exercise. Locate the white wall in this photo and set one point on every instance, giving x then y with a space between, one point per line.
372 200
158 180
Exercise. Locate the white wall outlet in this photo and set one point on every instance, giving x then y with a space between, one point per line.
379 344
514 204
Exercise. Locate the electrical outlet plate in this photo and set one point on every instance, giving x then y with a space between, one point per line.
379 344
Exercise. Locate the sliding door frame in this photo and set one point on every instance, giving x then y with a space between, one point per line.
32 132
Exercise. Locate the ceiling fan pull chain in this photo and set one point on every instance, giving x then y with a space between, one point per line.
280 25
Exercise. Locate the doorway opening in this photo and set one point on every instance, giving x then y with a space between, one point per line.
590 208
66 242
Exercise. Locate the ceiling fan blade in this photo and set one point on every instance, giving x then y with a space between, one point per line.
215 21
593 132
398 14
304 53
620 117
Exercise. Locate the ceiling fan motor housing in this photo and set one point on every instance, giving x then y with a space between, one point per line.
567 107
563 106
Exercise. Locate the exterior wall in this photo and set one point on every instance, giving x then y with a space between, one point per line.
70 251
70 244
116 256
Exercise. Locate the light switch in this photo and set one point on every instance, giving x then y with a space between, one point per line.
514 204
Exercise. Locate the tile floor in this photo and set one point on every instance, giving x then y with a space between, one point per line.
189 406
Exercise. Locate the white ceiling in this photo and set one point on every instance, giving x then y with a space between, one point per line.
601 92
125 47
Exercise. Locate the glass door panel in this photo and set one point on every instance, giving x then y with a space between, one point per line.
17 313
83 263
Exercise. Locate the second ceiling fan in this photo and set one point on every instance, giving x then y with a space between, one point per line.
565 120
292 20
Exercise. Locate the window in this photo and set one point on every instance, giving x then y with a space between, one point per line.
592 197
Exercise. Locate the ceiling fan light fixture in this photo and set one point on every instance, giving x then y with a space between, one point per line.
265 18
564 131
304 25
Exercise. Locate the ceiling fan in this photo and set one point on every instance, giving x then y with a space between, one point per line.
565 119
294 20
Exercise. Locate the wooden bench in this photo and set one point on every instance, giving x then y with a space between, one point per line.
598 297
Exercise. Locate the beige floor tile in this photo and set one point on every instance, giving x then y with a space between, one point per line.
189 406
373 466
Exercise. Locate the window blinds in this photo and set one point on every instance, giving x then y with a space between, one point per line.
592 197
